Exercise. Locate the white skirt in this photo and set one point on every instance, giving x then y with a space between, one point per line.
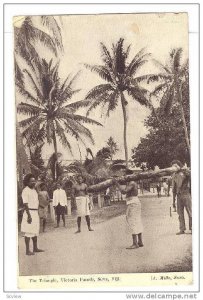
32 229
82 203
133 217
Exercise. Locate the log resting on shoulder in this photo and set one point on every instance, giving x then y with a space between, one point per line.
134 177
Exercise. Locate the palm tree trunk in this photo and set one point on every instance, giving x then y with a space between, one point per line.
80 152
124 127
30 152
185 128
184 121
56 155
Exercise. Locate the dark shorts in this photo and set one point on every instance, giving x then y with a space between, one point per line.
60 210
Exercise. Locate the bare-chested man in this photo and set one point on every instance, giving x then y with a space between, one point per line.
133 212
82 202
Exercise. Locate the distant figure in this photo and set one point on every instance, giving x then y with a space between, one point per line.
60 204
30 221
82 202
183 190
133 212
165 188
44 200
169 186
158 188
107 197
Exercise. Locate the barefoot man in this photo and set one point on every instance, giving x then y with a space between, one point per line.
133 212
82 202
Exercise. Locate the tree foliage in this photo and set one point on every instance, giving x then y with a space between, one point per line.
36 157
166 138
170 89
113 147
29 34
49 111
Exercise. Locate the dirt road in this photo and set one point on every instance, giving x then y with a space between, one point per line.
104 250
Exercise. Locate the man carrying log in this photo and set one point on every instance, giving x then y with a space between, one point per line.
133 212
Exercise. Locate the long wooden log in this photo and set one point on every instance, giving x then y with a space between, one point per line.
134 177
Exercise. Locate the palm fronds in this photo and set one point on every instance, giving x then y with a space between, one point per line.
102 71
51 23
138 95
98 90
27 94
167 99
51 115
159 88
34 85
28 109
106 56
62 137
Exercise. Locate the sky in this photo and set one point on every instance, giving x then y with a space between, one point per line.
82 34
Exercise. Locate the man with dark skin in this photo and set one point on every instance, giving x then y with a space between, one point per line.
44 200
133 212
30 221
183 190
82 202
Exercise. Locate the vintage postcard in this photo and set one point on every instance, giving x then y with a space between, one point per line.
103 150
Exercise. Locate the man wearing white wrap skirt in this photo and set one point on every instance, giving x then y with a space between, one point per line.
82 202
30 222
133 212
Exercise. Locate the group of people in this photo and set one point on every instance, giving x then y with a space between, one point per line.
36 199
33 211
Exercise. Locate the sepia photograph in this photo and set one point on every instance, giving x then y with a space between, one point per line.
103 158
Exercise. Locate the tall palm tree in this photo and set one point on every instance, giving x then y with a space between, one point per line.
121 81
172 81
48 109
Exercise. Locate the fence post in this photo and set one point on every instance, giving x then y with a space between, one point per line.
69 206
52 212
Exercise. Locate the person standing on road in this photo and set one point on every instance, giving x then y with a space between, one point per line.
183 189
60 204
165 188
133 212
82 202
158 188
169 186
43 204
30 222
107 197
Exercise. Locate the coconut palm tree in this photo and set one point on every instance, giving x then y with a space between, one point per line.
48 109
28 34
121 81
173 80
